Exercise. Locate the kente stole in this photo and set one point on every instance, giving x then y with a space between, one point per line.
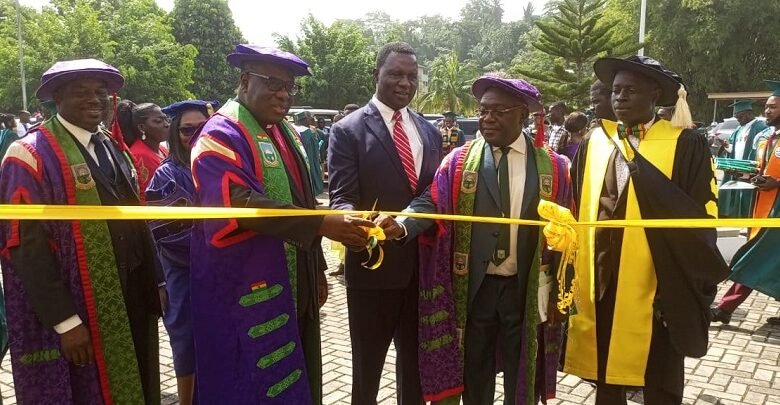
444 276
109 327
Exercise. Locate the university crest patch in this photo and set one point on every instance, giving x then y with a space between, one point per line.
269 154
460 265
546 185
469 182
83 176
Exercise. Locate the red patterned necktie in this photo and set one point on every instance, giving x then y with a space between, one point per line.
404 150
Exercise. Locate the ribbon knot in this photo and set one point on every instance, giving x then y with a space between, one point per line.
561 237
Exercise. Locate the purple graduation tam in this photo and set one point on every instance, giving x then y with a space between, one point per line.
62 72
517 87
255 53
207 107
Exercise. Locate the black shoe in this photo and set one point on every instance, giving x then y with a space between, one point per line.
775 320
719 315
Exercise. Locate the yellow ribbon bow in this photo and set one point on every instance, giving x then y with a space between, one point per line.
561 237
375 235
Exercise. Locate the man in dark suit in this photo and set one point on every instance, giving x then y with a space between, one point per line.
384 153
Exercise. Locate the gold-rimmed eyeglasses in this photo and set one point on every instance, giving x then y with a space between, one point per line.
275 84
484 112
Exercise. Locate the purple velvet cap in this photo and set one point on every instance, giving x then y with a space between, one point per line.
517 87
62 72
255 53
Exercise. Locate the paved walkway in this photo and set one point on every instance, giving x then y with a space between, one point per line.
740 368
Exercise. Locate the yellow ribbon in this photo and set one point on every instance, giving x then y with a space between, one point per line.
89 212
375 235
561 237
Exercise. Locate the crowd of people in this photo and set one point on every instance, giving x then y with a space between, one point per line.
240 298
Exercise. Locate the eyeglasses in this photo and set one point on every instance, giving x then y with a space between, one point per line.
188 131
483 112
275 84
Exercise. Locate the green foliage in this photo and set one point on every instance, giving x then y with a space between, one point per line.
477 18
209 27
716 46
155 66
449 86
499 45
576 35
341 58
431 36
133 35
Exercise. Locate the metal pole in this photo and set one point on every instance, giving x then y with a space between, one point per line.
642 18
21 54
715 111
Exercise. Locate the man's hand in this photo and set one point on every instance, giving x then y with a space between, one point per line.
322 287
346 229
390 226
765 183
76 346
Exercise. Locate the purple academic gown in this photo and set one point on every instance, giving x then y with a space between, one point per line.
172 185
240 286
41 374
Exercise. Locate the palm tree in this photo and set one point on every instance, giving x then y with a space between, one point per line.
449 86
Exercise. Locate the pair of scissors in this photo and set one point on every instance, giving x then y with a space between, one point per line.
374 236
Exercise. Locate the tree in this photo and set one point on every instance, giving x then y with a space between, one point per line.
716 46
209 26
449 86
500 45
133 35
431 36
576 35
381 29
341 60
477 17
155 66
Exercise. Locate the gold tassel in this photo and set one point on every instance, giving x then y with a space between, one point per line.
682 112
209 109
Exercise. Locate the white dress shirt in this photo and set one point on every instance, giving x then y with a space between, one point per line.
415 142
84 137
516 160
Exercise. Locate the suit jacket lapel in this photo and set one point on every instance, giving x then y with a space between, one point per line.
489 175
376 126
527 236
122 170
531 189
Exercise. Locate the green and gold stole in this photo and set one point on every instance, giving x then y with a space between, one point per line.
275 180
108 322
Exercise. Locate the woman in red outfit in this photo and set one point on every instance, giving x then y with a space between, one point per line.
144 127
